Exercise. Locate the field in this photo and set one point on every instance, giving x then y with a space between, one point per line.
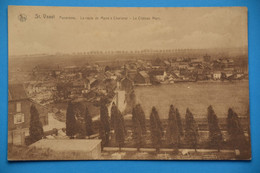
197 96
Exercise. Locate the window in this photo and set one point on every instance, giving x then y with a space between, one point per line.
18 107
18 118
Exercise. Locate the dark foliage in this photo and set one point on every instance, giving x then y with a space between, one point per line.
113 115
88 123
156 129
179 123
138 115
35 129
104 120
215 135
71 127
172 132
120 130
62 91
191 130
102 135
137 134
235 130
139 128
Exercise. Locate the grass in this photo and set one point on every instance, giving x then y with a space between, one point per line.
196 96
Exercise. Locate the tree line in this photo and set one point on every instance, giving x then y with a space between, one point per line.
174 133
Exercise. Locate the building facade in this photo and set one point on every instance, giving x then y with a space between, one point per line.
19 114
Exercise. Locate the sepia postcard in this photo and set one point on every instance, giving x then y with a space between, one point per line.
116 83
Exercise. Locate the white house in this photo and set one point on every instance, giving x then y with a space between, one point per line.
217 75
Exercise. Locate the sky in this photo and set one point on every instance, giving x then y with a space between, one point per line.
168 28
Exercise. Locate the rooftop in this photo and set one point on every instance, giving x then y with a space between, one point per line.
16 92
144 74
82 145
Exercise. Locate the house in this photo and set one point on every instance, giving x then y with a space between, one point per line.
142 78
57 72
231 69
206 58
156 66
79 84
228 74
38 87
167 63
224 62
197 60
71 76
216 75
19 114
126 84
110 75
172 77
50 86
183 66
159 75
177 73
92 82
191 68
131 74
109 85
118 73
41 87
30 87
174 65
71 69
201 75
179 59
92 94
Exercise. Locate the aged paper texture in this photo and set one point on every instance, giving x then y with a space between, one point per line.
89 83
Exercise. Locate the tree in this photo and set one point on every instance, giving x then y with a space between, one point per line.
137 134
156 129
62 90
172 133
179 123
113 114
88 123
191 130
102 135
104 119
139 130
120 130
71 127
132 99
235 130
139 115
215 135
35 129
